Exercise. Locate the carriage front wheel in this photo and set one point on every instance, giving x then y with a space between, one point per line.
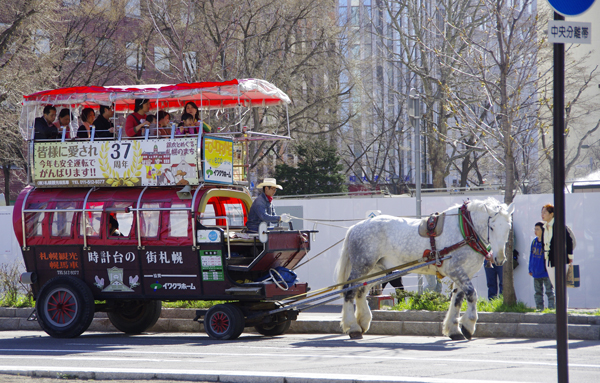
65 307
224 322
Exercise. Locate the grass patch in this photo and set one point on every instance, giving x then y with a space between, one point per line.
191 304
432 301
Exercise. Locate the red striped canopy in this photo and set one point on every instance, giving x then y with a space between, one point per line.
206 95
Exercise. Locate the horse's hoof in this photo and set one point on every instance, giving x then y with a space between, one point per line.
466 332
356 335
457 337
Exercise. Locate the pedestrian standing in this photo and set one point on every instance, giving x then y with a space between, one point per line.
537 269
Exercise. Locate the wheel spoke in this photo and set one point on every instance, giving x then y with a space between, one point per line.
220 323
61 307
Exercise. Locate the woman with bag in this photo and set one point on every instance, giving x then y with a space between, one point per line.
548 239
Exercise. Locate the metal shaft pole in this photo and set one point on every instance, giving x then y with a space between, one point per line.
562 335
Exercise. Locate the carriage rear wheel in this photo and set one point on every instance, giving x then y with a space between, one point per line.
134 317
65 307
272 329
224 322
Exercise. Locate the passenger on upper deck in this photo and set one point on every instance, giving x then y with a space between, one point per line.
137 120
187 125
64 119
44 126
162 127
105 128
191 108
262 209
85 129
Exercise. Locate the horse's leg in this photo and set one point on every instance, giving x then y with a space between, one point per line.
349 323
469 319
450 327
363 312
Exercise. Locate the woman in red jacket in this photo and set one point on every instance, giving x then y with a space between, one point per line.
137 120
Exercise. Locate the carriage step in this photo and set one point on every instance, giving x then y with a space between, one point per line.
244 291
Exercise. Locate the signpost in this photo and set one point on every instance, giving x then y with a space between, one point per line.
569 8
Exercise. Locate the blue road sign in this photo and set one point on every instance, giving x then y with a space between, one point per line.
571 7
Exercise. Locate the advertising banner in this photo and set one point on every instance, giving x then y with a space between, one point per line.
160 162
218 160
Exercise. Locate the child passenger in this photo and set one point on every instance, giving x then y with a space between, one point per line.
537 269
188 125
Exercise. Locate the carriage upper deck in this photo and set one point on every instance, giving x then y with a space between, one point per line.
218 157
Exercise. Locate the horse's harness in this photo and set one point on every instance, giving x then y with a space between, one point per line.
467 230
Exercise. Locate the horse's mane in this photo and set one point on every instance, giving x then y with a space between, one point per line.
477 205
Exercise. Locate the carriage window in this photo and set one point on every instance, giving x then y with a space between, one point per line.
120 221
235 214
33 221
62 221
149 220
90 221
178 221
209 211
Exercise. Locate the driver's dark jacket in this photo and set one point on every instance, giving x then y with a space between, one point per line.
261 211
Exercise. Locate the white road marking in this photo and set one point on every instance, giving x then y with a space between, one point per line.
124 359
317 377
301 355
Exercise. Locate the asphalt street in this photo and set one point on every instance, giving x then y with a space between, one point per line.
292 358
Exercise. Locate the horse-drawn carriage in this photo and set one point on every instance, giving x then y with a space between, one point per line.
119 225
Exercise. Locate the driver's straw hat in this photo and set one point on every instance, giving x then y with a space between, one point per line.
269 182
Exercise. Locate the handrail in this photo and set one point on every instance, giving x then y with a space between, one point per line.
193 215
139 201
227 227
84 221
23 219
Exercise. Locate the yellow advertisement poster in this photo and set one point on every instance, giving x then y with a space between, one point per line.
126 163
218 160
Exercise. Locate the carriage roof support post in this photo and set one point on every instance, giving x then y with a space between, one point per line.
414 112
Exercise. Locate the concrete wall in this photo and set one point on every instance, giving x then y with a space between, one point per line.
319 272
10 251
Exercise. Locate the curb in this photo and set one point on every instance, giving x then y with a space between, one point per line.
415 323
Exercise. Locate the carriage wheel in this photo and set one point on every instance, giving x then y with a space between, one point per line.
65 307
134 317
273 329
224 322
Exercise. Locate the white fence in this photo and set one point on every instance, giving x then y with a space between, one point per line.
580 216
580 213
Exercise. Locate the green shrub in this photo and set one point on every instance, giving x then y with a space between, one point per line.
12 292
191 304
433 301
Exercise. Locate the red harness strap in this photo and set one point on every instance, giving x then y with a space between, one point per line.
470 238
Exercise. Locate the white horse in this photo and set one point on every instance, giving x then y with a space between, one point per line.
384 242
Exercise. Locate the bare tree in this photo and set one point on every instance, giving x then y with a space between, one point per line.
24 68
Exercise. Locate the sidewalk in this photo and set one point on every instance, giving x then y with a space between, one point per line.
326 320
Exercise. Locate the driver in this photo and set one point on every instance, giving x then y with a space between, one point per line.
262 209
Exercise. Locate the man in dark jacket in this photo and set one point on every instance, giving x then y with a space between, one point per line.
44 126
262 209
104 128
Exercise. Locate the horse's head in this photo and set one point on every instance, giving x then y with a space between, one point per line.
496 223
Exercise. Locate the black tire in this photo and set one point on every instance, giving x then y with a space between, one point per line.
273 329
224 322
65 307
135 317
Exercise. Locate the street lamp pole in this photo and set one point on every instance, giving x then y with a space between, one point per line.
414 113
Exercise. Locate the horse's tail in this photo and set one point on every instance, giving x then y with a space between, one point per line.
343 267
